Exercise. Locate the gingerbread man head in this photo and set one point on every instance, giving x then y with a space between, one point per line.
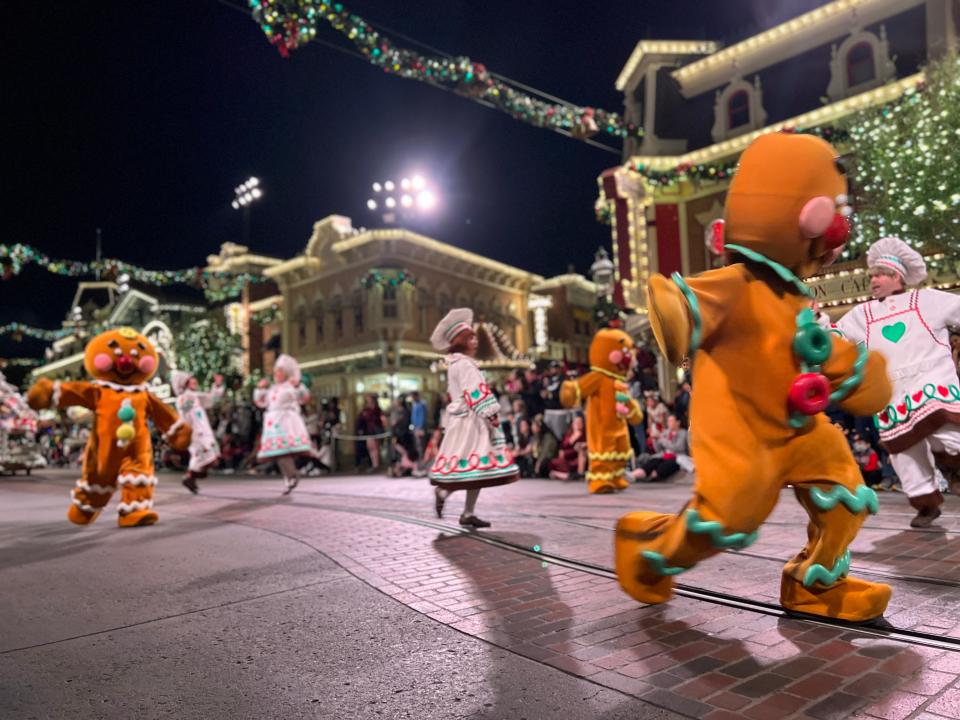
611 350
122 356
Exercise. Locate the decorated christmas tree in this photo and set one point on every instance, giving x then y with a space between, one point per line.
906 172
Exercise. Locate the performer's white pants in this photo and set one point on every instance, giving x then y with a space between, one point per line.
915 466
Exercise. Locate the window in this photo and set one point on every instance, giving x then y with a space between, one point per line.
860 67
738 110
389 301
318 322
338 319
357 314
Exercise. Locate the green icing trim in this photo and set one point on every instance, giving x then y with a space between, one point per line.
622 397
714 529
863 499
779 269
694 311
817 573
659 563
852 382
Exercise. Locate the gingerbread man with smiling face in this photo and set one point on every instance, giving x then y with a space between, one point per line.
763 372
119 452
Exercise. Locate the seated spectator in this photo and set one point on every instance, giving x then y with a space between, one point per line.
869 463
571 460
655 417
523 450
670 446
545 447
405 455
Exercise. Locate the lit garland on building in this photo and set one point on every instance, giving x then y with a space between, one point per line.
267 315
290 24
216 285
21 330
906 174
387 278
20 362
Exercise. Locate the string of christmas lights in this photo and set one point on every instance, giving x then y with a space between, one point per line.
21 330
290 24
206 349
383 278
216 285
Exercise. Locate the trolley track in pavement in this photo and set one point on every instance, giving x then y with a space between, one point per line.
910 637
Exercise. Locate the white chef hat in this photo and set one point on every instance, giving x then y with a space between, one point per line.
179 380
894 254
290 366
453 323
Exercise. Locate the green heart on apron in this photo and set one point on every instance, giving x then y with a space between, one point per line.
894 332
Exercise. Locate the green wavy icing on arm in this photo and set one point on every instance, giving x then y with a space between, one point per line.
852 382
714 529
817 573
863 499
694 306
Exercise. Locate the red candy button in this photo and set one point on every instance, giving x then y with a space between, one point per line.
809 393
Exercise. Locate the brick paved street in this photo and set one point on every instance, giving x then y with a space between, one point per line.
687 658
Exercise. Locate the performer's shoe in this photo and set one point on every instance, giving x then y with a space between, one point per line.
290 484
439 498
630 564
190 484
473 521
138 518
621 483
600 487
80 517
925 518
927 507
849 599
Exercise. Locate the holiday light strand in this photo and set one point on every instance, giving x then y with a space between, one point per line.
217 285
290 24
21 330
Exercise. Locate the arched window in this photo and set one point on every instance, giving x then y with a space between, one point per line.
738 110
318 321
860 65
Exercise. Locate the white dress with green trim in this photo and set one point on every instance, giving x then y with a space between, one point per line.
910 330
473 454
284 432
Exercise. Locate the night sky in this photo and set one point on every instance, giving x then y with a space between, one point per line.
140 118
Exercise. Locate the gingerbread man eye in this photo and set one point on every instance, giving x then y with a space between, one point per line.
135 352
117 351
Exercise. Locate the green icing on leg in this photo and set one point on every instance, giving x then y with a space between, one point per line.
863 499
714 529
659 563
817 573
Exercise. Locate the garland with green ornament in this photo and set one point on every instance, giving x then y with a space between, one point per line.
387 278
291 24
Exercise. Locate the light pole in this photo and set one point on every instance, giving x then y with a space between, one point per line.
244 196
411 197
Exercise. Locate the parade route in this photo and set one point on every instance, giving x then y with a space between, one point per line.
345 600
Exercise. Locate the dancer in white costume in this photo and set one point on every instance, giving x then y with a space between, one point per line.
473 453
284 434
192 404
920 426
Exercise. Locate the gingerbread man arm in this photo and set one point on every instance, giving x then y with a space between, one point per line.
47 393
574 392
685 312
864 373
635 416
175 430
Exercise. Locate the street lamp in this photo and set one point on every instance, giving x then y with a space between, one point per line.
244 195
602 273
409 198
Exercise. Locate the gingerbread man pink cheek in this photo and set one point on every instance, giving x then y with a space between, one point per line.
615 357
102 362
147 364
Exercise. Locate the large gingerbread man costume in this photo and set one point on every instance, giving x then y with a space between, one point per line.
119 451
762 375
609 409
